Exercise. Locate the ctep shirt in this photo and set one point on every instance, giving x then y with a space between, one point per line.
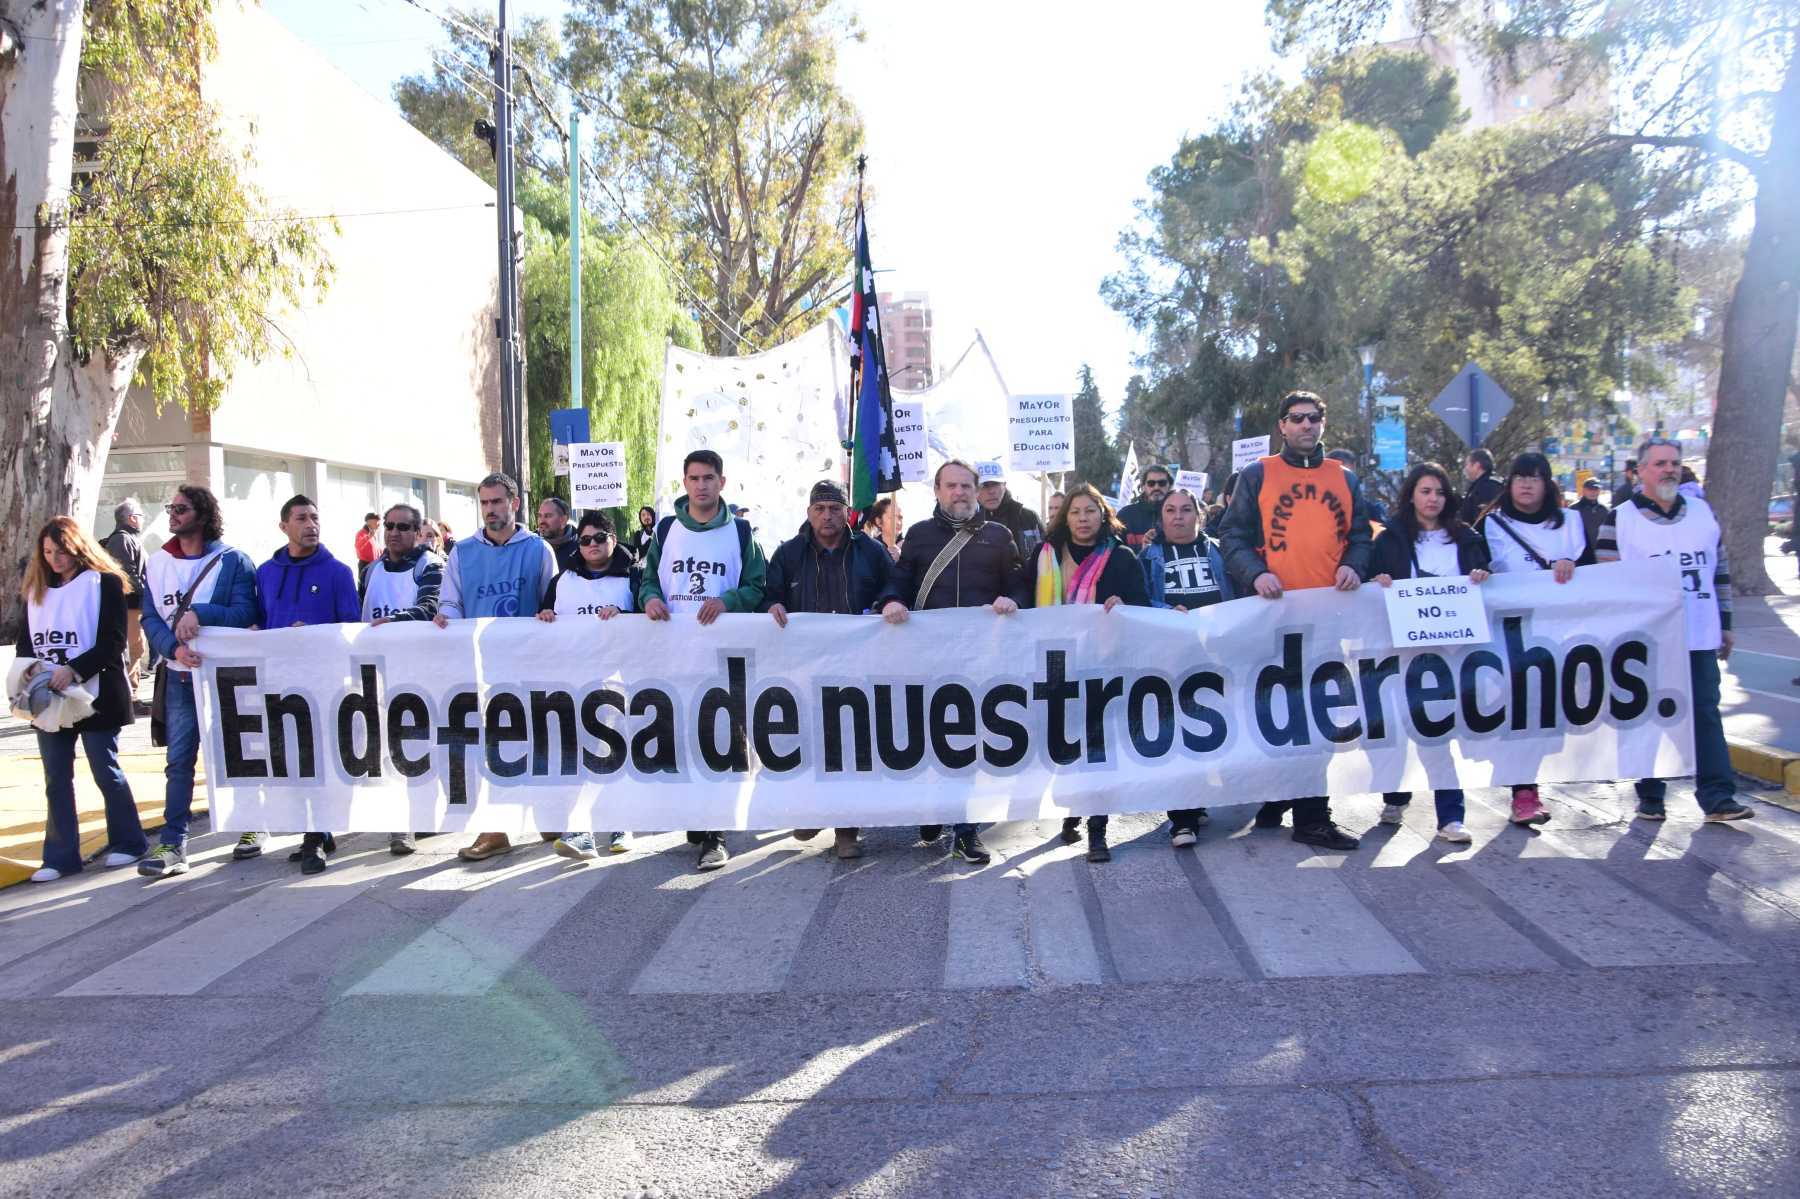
1188 577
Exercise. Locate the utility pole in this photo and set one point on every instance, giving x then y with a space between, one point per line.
512 400
574 259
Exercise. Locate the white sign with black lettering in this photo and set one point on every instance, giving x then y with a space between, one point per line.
909 436
596 474
1246 450
1436 611
1191 481
1041 432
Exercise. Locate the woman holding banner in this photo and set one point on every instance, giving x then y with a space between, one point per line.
1084 560
74 629
1428 540
598 584
1183 571
1527 529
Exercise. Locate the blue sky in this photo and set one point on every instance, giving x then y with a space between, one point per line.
1006 147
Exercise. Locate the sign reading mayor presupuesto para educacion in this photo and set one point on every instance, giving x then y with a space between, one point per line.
515 725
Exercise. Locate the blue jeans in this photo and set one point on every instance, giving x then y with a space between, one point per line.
1449 803
62 831
1714 784
182 725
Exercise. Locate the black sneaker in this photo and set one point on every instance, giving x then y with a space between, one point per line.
713 853
969 848
1651 810
1326 836
1730 810
694 838
1183 837
1097 850
1267 817
930 832
1071 830
805 834
312 853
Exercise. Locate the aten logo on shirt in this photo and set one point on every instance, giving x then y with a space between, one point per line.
54 645
696 566
383 612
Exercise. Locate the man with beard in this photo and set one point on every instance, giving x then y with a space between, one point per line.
1658 521
1317 508
957 559
1142 515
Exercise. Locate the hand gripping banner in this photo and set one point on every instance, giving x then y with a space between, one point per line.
517 726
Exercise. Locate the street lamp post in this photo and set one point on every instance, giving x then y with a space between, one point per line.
1367 354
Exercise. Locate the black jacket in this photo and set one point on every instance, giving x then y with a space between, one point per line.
987 568
1241 532
1140 518
1394 558
619 566
104 665
1481 493
127 549
1026 528
803 577
1122 576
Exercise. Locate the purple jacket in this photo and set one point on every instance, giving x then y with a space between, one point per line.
316 589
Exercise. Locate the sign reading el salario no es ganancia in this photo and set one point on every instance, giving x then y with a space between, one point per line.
515 725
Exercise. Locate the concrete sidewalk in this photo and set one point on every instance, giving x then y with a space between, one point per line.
22 811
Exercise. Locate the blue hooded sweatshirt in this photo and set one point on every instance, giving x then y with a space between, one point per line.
316 589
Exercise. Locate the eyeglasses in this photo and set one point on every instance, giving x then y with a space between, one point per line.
1305 418
177 509
594 539
399 526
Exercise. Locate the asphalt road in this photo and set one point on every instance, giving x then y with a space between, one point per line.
1600 1008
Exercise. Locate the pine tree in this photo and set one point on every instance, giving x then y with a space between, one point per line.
1096 458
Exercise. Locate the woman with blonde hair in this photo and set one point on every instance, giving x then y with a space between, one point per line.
74 595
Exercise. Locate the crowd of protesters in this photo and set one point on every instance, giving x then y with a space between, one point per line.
101 615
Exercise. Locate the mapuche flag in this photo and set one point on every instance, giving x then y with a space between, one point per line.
875 456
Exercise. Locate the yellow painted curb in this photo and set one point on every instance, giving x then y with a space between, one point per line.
1771 765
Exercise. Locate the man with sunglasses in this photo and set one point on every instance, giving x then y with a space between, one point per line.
1324 541
1140 516
1658 521
194 579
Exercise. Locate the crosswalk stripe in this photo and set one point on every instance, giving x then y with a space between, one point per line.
62 910
1062 940
184 963
1156 926
1595 917
1297 917
741 934
985 943
485 936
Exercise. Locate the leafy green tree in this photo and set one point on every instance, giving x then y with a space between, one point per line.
722 120
1097 459
165 267
629 313
1712 84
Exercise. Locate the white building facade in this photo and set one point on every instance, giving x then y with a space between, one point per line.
390 392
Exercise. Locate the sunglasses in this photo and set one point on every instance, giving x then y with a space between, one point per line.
594 538
399 526
1305 418
1163 483
177 509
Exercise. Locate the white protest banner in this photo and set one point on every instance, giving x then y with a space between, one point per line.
1436 611
1246 450
1192 481
910 437
1041 434
515 725
596 474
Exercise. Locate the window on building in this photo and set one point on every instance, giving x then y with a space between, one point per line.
251 494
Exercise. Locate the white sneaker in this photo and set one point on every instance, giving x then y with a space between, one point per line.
116 858
620 843
1392 813
1455 833
46 874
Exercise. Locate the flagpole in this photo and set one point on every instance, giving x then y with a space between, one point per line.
856 367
